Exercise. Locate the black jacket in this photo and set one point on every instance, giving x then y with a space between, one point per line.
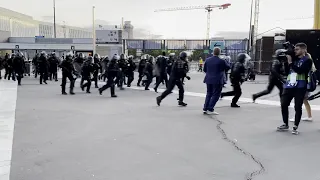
67 67
179 69
142 65
276 70
112 70
237 73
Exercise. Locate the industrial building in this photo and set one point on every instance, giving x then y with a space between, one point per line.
14 24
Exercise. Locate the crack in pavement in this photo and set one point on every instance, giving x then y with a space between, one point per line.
251 175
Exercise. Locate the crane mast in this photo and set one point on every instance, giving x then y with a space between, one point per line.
208 8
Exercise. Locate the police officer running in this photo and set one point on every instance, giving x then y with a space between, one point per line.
131 67
276 73
141 68
148 72
86 71
67 72
162 66
112 73
97 69
237 77
178 72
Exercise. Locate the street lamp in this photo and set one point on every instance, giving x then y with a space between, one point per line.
54 19
93 31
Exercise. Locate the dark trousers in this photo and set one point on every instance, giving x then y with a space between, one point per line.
161 78
95 79
213 95
110 84
269 89
236 92
53 74
43 76
130 78
148 81
87 84
64 82
10 73
120 79
171 84
288 94
19 77
140 78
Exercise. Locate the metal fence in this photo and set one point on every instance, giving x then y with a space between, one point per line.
230 47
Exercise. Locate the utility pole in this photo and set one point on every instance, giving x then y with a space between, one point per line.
54 19
249 45
93 32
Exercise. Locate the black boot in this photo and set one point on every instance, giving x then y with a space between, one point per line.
182 104
159 100
112 90
71 91
63 91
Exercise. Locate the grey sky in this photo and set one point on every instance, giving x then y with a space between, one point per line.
179 24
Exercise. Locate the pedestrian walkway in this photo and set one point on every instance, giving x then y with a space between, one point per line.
8 98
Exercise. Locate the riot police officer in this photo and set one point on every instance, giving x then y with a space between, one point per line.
141 67
53 62
9 68
18 66
68 71
87 70
148 72
112 73
97 69
43 67
170 63
131 67
162 67
78 61
276 74
104 65
177 73
237 77
122 69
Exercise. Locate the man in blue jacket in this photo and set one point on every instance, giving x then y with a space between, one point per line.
215 68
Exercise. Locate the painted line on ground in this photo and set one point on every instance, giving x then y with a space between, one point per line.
8 99
245 100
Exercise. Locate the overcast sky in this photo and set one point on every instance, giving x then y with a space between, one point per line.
178 24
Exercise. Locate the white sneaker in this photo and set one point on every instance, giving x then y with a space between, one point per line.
307 119
212 113
291 119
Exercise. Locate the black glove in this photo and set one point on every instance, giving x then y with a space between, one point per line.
188 77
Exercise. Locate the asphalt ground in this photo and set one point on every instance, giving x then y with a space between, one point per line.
88 136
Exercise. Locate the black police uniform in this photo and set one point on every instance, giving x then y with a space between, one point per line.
148 72
18 67
141 67
162 65
131 67
104 65
97 69
86 71
54 62
276 75
35 65
9 68
237 77
178 72
112 73
169 64
122 69
43 68
67 72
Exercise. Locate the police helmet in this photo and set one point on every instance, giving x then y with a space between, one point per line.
115 57
43 53
80 55
96 56
69 55
90 59
183 55
279 53
243 57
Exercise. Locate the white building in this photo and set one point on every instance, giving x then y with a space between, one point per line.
21 25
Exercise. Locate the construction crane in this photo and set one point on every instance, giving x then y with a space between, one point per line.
208 8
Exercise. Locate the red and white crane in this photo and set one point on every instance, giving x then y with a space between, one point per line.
208 8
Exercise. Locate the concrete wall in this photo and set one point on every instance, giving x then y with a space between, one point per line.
21 40
4 36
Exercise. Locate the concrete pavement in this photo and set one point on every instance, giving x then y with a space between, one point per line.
88 136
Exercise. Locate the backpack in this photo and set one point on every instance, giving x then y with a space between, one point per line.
312 81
